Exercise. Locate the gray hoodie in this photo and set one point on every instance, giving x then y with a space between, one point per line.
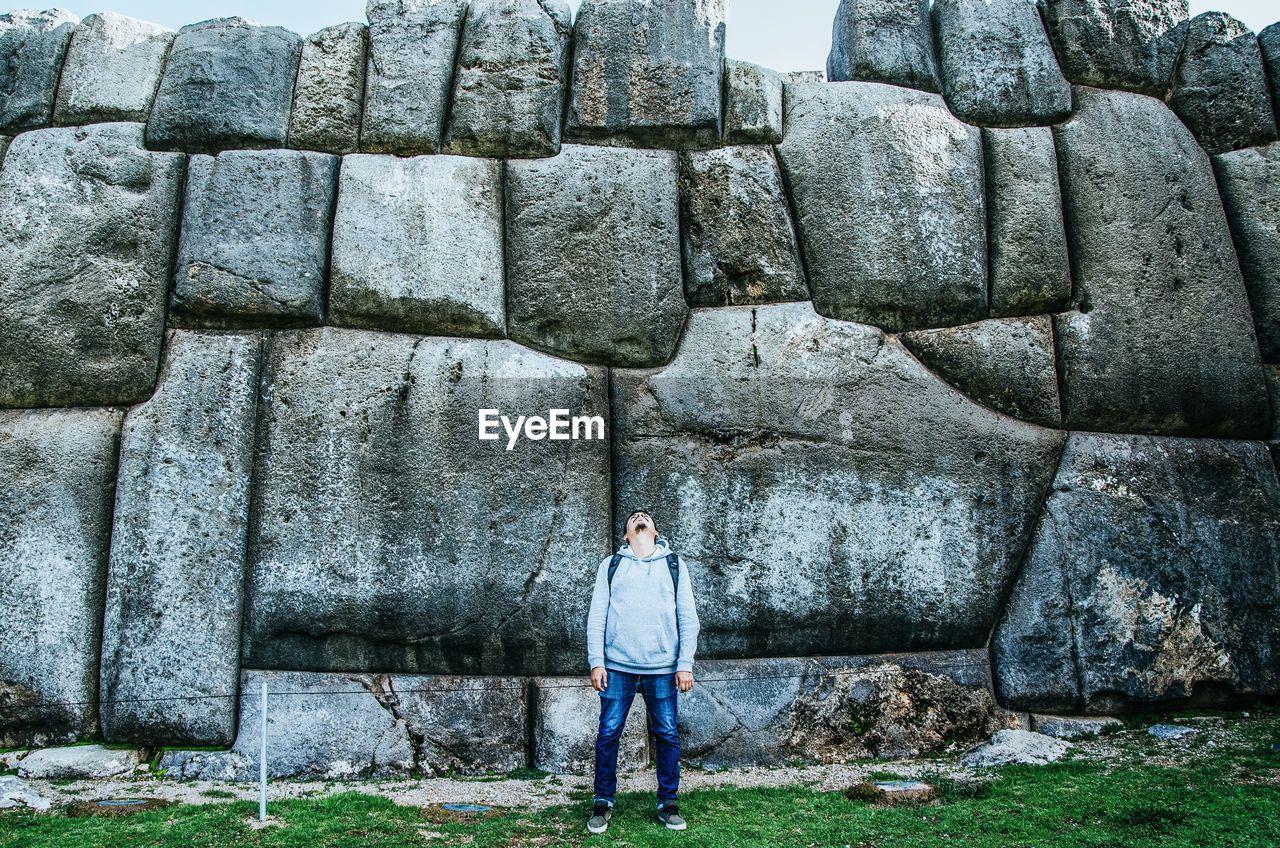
642 624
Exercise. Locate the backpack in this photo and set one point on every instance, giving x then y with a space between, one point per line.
673 565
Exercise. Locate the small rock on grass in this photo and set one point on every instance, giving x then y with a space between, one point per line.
1170 731
16 793
1021 747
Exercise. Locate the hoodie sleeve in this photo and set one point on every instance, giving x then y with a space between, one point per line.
596 617
686 619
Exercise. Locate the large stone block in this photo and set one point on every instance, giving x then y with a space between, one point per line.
254 247
593 255
59 472
1273 387
880 248
175 585
752 104
827 491
88 222
385 535
1269 44
565 718
509 88
412 46
1126 44
1249 182
1163 342
112 70
1152 579
33 46
417 246
889 41
647 73
328 96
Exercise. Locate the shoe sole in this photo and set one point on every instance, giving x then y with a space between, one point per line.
672 826
600 830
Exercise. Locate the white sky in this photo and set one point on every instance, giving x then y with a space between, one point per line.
786 35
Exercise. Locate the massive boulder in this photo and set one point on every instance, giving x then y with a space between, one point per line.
565 719
328 96
1273 386
1126 44
889 41
1269 44
752 104
112 70
33 46
1249 181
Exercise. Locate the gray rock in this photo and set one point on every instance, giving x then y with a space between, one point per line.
32 48
1170 731
1273 388
565 719
890 792
1249 182
15 793
417 246
1163 342
647 73
88 221
880 511
889 41
509 88
1126 44
794 77
1070 727
79 762
738 241
593 255
9 759
4 146
997 66
1269 44
877 249
752 104
1026 242
228 83
59 468
226 766
1021 747
1219 87
254 245
175 584
1004 363
412 46
1152 577
386 535
112 70
328 96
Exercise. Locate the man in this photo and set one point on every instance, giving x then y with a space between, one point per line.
642 632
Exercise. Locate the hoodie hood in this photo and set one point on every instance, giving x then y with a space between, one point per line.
661 549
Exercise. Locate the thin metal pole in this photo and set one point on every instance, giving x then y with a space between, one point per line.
262 761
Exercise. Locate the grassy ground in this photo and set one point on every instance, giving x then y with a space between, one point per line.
1124 790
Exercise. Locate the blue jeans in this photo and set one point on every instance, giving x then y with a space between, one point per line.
659 692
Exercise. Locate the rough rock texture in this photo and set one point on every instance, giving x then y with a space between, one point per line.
112 69
889 41
1273 388
829 492
752 104
647 73
175 585
877 248
1269 44
1126 44
225 766
1026 242
227 83
1069 727
88 222
593 255
794 77
15 793
1163 342
328 96
32 48
1219 87
509 88
412 46
739 244
997 66
59 471
1170 731
387 536
1249 182
1004 363
417 246
254 246
1152 578
1022 747
565 718
79 762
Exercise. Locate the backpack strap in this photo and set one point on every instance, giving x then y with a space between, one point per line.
613 566
673 565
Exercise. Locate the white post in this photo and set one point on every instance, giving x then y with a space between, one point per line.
262 762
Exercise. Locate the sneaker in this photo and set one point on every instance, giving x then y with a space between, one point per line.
599 821
669 815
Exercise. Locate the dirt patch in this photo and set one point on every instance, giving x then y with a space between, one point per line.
116 807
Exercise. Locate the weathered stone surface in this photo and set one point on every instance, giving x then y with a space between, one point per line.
1273 388
509 88
752 104
207 765
87 228
739 244
227 83
1069 727
1005 363
1152 578
878 249
1269 44
829 492
1249 182
79 762
593 255
565 719
412 46
794 77
1126 44
254 245
647 73
996 63
1022 747
387 536
328 96
175 584
1163 342
59 471
417 246
15 793
889 41
32 48
1026 242
1170 731
112 69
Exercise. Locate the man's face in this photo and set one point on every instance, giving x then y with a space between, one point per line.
638 521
